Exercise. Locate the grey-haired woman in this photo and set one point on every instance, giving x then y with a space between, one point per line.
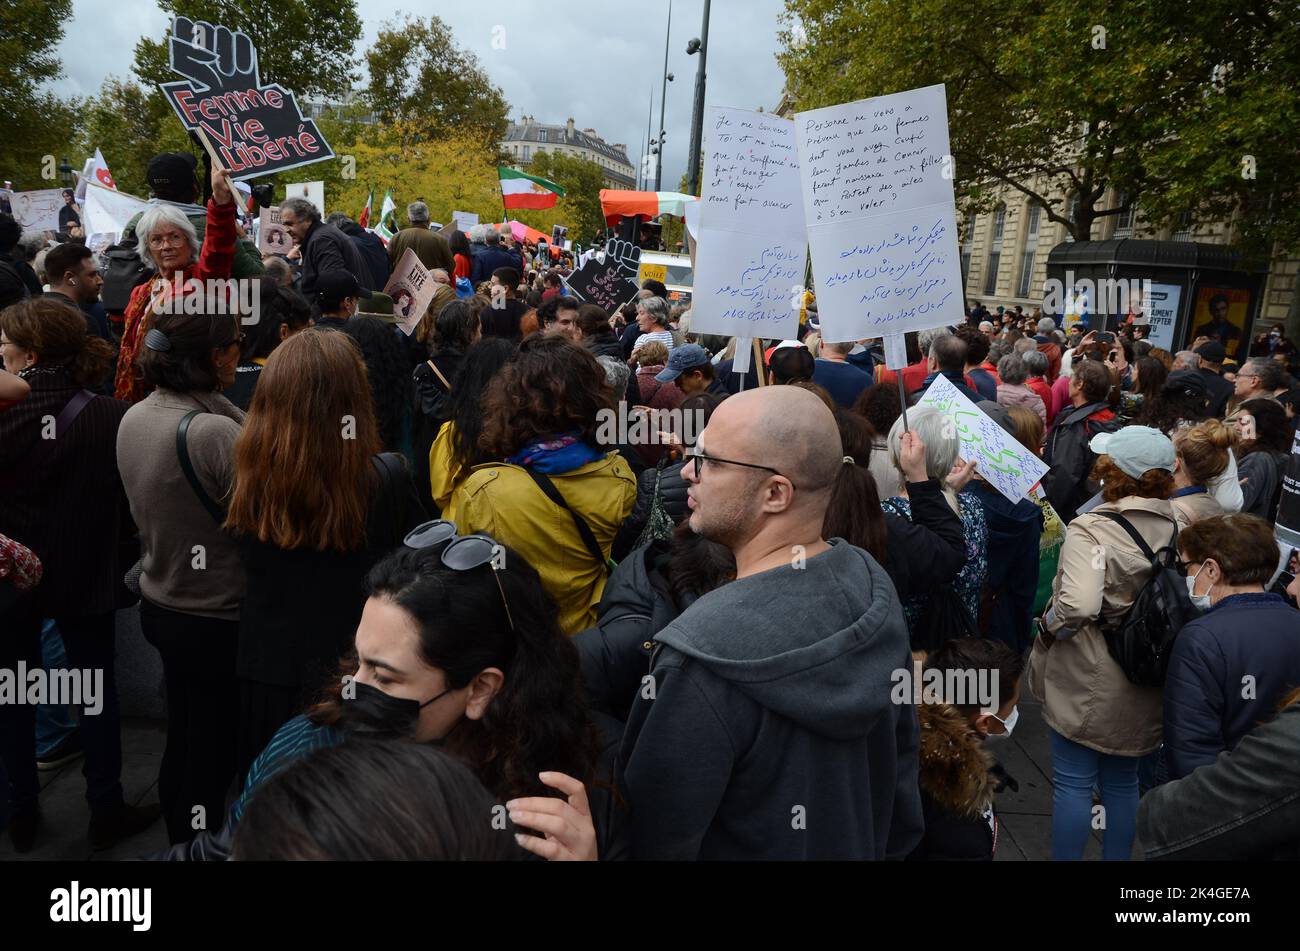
169 244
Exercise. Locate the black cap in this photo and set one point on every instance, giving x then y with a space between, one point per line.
1187 381
333 286
171 171
1212 351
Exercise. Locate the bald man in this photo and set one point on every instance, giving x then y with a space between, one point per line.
765 729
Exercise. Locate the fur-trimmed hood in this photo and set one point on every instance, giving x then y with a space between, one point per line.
954 763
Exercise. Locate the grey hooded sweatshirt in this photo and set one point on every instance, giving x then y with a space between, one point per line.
771 734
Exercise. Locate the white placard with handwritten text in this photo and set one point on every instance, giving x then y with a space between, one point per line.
752 247
999 458
876 178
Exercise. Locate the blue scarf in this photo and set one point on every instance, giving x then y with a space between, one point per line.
557 454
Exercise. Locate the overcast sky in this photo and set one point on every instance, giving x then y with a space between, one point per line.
594 60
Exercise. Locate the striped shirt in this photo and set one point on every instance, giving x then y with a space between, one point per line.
658 336
291 742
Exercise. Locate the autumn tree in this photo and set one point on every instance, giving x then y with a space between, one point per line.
422 82
1185 108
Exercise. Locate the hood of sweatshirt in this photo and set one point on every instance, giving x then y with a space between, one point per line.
817 644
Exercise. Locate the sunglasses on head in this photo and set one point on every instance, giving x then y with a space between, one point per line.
461 552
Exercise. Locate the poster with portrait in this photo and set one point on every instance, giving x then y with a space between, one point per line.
273 237
1221 314
411 289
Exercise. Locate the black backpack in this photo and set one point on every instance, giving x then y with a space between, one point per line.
123 273
1143 640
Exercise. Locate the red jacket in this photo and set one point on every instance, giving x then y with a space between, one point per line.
1053 353
215 258
914 375
1039 386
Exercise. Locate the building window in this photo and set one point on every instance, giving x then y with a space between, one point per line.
1184 230
526 156
1031 245
1071 210
967 242
995 249
541 135
1125 219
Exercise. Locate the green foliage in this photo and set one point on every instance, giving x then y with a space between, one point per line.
35 123
130 124
420 79
579 209
305 45
1037 103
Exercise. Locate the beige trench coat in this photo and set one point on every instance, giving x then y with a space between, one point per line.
1085 695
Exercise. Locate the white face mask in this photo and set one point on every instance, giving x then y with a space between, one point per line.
1008 724
1201 601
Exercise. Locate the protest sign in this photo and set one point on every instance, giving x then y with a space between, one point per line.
411 289
255 129
464 220
107 210
999 458
751 249
605 284
37 210
626 254
1162 314
882 225
314 192
1287 526
272 237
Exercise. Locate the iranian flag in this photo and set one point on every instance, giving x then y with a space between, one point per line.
387 226
527 191
363 219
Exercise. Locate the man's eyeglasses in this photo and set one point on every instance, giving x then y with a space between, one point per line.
462 552
699 458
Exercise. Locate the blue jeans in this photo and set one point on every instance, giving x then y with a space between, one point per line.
1076 770
53 724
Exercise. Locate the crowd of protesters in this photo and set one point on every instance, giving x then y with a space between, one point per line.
569 562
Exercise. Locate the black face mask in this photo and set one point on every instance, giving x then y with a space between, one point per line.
375 713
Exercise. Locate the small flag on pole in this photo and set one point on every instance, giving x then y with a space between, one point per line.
363 219
526 191
387 226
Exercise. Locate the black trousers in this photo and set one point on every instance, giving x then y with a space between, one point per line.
198 763
89 642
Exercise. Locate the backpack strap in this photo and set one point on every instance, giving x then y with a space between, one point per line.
584 530
1135 535
44 448
183 454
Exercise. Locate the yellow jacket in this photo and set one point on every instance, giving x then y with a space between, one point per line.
444 472
504 501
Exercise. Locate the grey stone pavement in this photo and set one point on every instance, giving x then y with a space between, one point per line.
1025 816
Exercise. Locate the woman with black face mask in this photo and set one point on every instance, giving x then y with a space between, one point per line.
459 646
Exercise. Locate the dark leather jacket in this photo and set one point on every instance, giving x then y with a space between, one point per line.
1244 806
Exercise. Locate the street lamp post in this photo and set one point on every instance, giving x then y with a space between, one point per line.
663 97
700 46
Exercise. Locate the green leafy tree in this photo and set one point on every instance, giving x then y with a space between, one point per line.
579 209
419 77
1185 108
36 123
305 45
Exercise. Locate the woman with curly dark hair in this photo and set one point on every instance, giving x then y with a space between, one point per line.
388 370
557 495
457 646
455 450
